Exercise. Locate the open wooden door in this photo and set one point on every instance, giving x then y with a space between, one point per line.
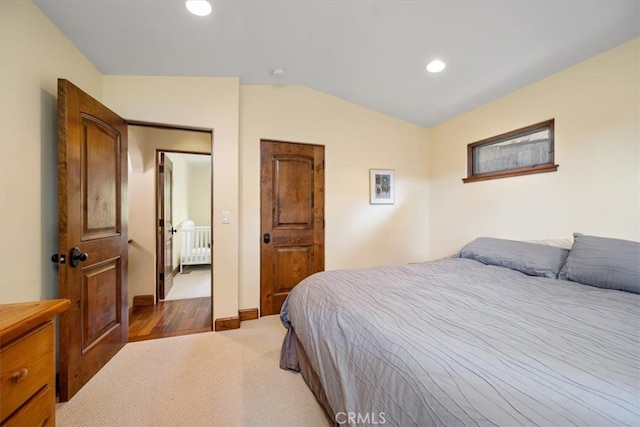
92 218
292 219
165 225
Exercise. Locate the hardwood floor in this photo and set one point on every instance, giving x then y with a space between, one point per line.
170 318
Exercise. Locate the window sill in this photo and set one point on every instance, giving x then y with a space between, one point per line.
512 172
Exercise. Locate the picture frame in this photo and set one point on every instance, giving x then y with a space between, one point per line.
382 186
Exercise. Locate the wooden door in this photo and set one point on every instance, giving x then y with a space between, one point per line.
165 226
292 217
92 218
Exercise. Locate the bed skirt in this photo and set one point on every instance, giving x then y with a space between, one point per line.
293 357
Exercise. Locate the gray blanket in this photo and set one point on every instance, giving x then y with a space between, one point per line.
459 343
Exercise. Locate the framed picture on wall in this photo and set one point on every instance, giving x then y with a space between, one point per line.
382 186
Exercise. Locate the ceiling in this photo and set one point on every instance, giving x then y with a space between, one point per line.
372 53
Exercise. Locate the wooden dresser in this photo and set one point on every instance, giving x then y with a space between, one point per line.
27 363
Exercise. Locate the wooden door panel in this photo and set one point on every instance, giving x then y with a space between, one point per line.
292 264
92 218
101 309
292 215
100 170
293 185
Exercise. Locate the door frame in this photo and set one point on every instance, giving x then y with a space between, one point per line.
166 126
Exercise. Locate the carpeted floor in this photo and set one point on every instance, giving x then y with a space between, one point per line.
194 282
229 378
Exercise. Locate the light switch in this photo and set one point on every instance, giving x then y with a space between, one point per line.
226 217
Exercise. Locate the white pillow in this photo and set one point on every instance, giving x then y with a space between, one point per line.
558 243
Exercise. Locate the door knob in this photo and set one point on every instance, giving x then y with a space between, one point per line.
266 237
173 231
76 256
59 258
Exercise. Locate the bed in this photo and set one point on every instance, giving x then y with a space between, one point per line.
504 333
196 244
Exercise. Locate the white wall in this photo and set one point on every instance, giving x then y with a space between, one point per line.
180 201
142 249
205 102
180 188
199 176
356 139
596 189
33 55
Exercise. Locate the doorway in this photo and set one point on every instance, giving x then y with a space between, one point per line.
152 314
184 239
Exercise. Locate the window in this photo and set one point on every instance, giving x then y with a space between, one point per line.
520 152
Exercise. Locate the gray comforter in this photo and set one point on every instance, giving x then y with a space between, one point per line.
459 343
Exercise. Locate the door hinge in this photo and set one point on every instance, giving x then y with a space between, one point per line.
161 223
161 169
323 165
162 277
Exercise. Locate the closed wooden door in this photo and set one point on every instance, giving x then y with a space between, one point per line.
92 217
165 226
292 217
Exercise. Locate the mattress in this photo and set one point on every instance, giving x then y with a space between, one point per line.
458 342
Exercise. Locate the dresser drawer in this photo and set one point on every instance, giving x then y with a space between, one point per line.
38 412
26 366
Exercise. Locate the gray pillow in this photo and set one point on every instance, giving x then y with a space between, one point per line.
603 262
529 258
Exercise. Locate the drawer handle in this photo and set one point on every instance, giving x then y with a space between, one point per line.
19 376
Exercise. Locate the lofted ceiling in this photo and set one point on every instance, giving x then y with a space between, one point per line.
372 53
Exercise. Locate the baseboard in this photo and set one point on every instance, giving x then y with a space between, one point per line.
227 323
248 314
139 300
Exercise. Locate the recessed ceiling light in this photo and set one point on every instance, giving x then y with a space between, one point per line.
435 66
198 7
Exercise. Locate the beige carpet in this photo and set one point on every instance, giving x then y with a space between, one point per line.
226 378
194 282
